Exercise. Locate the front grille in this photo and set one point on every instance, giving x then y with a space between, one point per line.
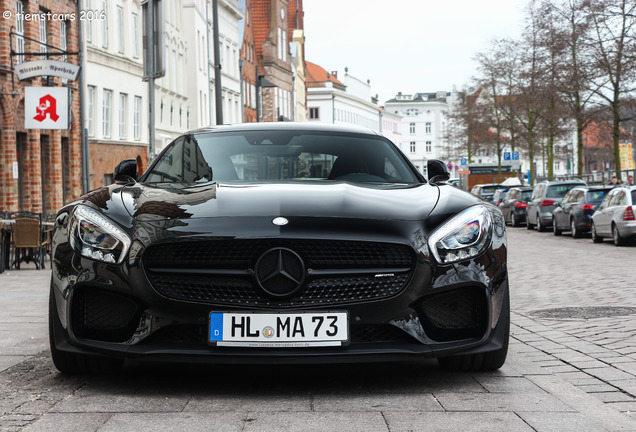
241 254
222 272
103 315
458 314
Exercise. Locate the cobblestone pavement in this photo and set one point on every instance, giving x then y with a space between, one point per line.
571 367
574 306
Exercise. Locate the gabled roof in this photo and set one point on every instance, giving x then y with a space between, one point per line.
316 76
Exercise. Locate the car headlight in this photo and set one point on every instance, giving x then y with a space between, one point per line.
464 236
94 236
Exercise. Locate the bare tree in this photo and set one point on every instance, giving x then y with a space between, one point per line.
614 46
574 21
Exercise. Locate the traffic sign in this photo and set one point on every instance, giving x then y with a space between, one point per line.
463 161
515 155
506 155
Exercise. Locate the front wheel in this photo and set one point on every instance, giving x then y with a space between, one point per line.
513 220
540 226
575 232
618 239
595 236
488 361
73 363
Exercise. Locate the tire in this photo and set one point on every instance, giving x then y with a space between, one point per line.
529 226
540 226
73 363
513 220
555 230
488 361
595 236
618 239
575 232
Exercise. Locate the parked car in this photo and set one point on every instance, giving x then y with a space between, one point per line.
545 196
575 212
280 243
615 216
453 182
499 195
486 191
514 205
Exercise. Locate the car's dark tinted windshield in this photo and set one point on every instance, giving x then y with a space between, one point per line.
272 156
596 196
488 190
559 191
525 195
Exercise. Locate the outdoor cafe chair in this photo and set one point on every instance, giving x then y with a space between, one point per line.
28 242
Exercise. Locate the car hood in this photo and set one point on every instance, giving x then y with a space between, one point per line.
339 200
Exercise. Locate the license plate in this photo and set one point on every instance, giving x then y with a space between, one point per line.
279 330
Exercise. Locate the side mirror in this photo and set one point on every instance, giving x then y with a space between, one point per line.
125 171
437 171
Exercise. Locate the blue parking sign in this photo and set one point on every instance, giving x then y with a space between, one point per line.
463 161
216 326
506 155
515 155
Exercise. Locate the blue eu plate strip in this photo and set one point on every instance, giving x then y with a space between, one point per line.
216 326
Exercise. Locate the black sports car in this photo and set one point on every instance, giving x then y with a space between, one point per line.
279 243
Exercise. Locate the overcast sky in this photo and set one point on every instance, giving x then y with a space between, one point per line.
406 45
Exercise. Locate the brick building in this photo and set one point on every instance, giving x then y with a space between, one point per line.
39 169
249 63
271 42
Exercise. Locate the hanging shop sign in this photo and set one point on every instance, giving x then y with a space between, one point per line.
47 68
46 108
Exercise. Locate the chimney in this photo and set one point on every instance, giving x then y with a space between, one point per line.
335 74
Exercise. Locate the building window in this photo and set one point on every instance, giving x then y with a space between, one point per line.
412 128
19 29
64 43
428 127
120 29
137 118
105 25
412 147
135 35
91 111
43 38
123 110
107 103
88 23
429 146
314 113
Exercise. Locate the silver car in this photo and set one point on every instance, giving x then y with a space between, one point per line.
615 216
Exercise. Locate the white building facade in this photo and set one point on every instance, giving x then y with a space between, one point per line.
116 98
424 121
347 102
230 44
171 98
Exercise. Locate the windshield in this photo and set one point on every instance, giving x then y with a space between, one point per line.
525 195
273 156
559 191
488 190
596 196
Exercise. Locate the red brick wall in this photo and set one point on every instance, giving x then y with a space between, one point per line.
12 116
248 55
106 156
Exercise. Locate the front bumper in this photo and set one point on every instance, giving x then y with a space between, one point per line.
116 311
